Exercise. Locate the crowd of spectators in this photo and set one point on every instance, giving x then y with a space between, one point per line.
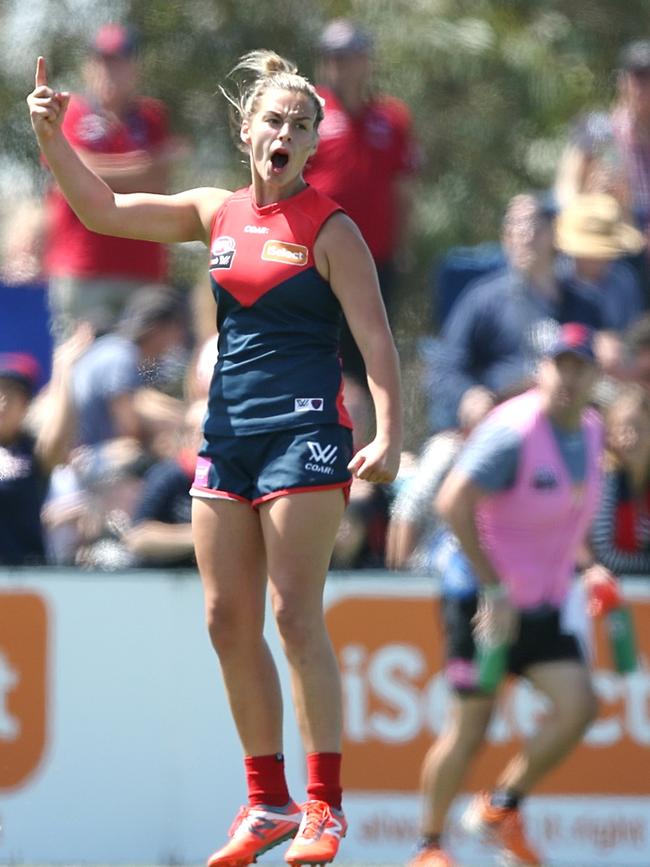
96 458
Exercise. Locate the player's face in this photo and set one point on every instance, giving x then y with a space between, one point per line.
566 382
112 80
281 136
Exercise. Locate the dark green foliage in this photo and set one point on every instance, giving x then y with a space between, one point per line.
492 84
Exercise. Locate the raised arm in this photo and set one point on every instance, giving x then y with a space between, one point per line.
185 216
343 258
57 412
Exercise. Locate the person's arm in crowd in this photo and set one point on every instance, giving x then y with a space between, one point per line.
603 542
414 504
156 540
56 407
184 216
342 256
152 536
452 368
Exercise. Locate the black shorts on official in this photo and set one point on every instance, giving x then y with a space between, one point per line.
259 467
540 639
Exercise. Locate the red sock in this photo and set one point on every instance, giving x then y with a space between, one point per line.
265 780
324 778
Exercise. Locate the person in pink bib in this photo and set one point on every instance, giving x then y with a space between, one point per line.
519 500
276 463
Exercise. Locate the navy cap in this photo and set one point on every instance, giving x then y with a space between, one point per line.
342 36
21 367
573 337
114 40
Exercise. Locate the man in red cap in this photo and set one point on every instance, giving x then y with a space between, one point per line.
366 158
124 138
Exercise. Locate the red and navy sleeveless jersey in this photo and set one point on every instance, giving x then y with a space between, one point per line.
278 319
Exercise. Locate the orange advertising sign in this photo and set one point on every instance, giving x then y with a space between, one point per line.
23 685
396 702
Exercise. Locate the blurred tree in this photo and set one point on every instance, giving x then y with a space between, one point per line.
492 84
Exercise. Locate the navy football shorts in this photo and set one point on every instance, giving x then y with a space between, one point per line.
259 467
540 639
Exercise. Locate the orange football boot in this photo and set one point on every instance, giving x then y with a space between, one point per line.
319 836
256 830
500 827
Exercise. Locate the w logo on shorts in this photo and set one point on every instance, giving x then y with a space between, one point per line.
322 454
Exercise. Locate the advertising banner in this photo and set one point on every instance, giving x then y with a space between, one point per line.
117 746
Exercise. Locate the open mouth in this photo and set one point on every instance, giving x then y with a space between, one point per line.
279 159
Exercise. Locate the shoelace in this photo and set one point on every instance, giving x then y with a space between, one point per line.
239 818
315 819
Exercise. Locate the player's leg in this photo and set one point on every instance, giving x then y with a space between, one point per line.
299 533
447 762
567 684
552 660
230 555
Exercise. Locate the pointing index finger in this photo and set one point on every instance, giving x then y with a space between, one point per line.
41 72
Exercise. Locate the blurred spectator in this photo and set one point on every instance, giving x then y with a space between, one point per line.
638 347
361 538
610 151
90 505
124 138
161 418
416 537
620 537
496 331
161 534
366 157
594 236
26 460
118 364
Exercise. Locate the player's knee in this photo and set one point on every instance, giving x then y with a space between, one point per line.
295 626
225 624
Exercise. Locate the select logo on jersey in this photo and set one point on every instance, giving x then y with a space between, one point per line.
321 458
308 404
256 230
222 252
23 685
283 251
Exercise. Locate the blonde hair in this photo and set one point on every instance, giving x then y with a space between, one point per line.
262 70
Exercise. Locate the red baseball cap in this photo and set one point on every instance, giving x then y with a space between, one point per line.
114 40
21 367
575 338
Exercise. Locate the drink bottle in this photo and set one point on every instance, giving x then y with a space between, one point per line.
491 660
605 600
622 641
491 654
